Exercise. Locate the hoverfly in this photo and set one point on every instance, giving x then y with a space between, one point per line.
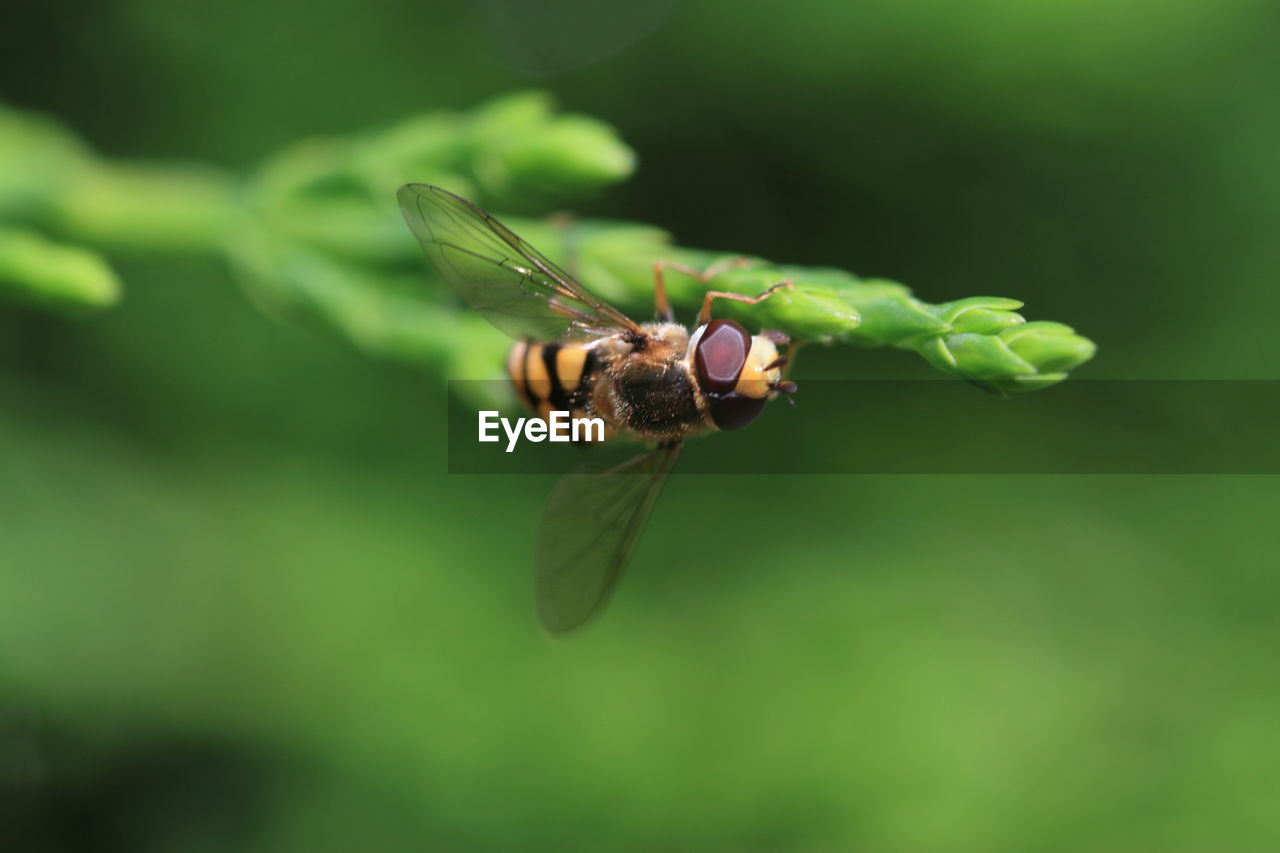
654 382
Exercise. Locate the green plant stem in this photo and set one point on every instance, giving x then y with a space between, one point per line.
145 207
315 233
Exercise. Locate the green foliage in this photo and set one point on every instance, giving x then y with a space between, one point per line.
313 233
61 277
38 160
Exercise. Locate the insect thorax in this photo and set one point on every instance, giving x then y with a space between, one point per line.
652 390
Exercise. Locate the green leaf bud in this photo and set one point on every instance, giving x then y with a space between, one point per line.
64 278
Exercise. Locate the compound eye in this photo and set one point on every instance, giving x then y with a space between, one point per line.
734 411
721 353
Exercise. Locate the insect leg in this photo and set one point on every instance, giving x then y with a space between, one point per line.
786 361
736 262
661 305
790 356
704 316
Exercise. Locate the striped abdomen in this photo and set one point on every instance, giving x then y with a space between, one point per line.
553 377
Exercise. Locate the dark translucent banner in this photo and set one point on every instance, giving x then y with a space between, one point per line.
935 427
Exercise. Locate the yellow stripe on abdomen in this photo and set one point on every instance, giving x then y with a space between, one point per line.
549 373
570 364
536 378
516 371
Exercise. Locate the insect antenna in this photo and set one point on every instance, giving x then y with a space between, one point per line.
785 387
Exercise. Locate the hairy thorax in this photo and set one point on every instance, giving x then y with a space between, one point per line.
648 388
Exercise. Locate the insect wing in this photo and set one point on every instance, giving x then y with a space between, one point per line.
591 526
509 282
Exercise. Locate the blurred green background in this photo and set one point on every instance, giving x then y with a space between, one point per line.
243 607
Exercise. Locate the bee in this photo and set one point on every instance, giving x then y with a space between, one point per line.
654 382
